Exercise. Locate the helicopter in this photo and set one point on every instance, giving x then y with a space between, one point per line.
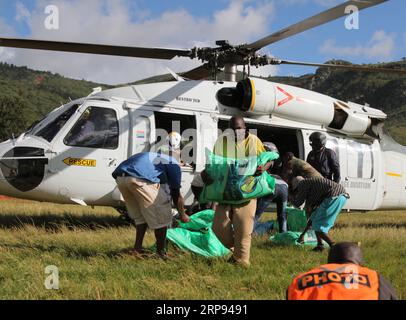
69 155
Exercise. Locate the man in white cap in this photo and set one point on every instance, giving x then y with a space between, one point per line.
173 141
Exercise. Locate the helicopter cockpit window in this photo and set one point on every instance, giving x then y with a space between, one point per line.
96 128
51 129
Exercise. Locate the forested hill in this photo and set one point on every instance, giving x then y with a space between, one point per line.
27 95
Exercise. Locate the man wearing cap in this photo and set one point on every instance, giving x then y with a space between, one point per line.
147 181
324 200
343 278
172 146
324 160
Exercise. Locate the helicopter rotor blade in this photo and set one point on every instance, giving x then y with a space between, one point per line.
314 21
199 73
122 51
341 66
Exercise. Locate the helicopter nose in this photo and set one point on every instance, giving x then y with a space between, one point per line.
21 169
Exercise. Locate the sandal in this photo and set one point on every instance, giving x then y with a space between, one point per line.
318 249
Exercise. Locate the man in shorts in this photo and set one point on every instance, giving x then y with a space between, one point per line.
147 182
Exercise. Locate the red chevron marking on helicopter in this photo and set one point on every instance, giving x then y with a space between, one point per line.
286 100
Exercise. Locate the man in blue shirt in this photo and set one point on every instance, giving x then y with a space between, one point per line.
147 181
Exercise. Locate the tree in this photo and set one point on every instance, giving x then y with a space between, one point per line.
15 116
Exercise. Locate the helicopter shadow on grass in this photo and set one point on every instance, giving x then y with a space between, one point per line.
57 222
372 225
83 251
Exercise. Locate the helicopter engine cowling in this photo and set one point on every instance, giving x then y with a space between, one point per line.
261 97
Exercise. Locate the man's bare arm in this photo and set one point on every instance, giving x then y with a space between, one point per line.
180 204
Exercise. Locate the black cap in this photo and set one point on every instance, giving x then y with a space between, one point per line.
318 138
345 252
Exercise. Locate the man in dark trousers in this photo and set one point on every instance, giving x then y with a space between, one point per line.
279 197
233 224
147 181
324 160
343 278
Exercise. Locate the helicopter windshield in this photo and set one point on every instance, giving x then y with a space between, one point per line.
96 128
49 131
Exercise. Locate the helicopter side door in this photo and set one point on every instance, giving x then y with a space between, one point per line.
87 151
361 179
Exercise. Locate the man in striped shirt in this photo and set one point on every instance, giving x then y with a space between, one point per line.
293 167
324 199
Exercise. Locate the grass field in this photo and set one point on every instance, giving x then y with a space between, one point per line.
85 245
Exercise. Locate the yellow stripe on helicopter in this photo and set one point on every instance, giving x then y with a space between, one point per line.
253 96
392 174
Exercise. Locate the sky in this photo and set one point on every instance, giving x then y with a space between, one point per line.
380 37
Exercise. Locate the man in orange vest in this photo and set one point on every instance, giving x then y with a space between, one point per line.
343 278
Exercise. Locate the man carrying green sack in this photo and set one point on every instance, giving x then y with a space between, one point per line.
233 221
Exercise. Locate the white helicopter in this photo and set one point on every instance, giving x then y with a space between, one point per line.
68 156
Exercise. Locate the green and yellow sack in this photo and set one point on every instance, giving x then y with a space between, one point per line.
234 180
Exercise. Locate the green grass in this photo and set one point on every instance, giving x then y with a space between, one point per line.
85 245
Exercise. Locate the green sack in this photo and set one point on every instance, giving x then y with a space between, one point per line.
290 238
197 236
234 180
297 220
198 221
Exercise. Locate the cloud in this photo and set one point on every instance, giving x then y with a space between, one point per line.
328 3
323 3
110 22
22 13
5 29
6 55
381 45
